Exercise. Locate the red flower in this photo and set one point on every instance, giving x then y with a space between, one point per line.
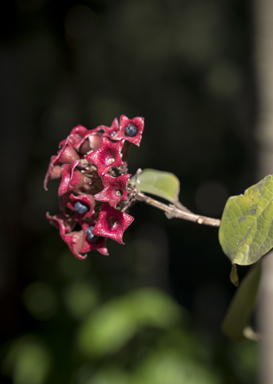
75 135
66 155
74 240
111 131
130 130
107 155
82 139
114 189
112 223
82 163
72 179
77 241
99 244
83 205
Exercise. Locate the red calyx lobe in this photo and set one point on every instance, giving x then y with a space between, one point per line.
107 156
111 131
112 223
137 122
114 189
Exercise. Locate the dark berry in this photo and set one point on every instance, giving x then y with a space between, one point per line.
91 236
113 133
131 130
80 208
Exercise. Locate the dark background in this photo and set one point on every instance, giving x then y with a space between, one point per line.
187 67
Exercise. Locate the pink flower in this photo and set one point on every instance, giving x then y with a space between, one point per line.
112 223
75 135
111 131
98 243
114 189
72 179
83 206
74 240
130 130
82 139
77 241
82 164
107 155
66 155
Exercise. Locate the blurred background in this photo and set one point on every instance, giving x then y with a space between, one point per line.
151 312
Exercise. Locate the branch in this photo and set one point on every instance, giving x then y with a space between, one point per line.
178 211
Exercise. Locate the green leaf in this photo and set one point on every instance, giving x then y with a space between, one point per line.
246 230
113 324
158 183
27 361
235 324
234 278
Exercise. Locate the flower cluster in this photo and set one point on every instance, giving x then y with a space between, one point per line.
94 191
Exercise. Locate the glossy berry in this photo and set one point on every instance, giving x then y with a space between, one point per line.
131 130
80 208
91 236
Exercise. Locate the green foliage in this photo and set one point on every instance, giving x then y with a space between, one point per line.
28 361
112 325
246 231
40 300
236 322
158 183
80 298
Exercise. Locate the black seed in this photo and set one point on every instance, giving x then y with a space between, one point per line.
131 130
80 208
91 236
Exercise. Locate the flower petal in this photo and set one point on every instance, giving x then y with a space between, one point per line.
115 189
112 223
129 127
111 131
74 240
88 201
107 155
99 245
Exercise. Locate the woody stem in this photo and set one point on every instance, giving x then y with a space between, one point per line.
173 211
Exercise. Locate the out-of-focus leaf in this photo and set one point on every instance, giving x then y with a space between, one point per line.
246 230
152 307
111 375
27 361
40 300
106 330
234 278
235 324
158 183
80 298
167 366
112 325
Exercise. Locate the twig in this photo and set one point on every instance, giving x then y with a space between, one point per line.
173 211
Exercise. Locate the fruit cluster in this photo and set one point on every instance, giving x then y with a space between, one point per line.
94 192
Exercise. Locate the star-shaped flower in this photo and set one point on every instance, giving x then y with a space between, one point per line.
107 155
66 155
83 139
112 223
98 243
111 131
77 241
114 189
72 179
83 205
74 240
75 135
130 129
